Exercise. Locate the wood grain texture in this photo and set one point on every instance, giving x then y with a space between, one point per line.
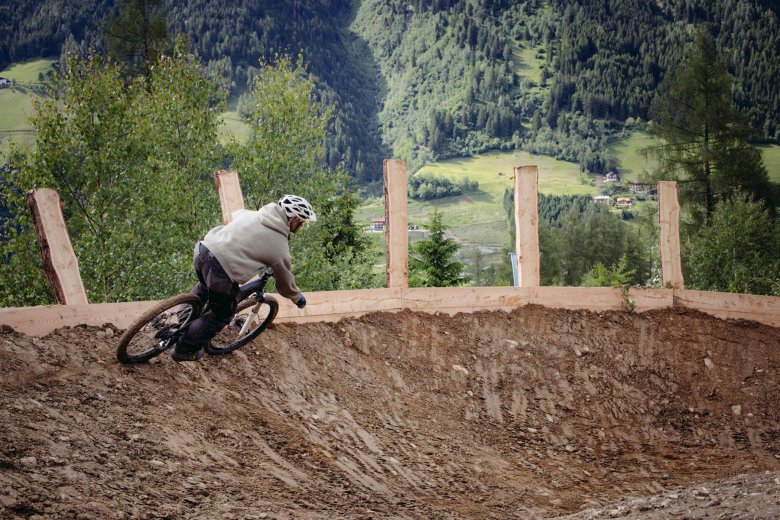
396 223
229 190
59 261
527 225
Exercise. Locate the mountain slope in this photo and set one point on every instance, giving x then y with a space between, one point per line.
423 80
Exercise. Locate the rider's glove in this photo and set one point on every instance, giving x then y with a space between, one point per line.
301 303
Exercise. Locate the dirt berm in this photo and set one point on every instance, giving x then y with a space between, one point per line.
528 414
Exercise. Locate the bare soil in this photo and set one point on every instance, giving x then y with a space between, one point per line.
535 413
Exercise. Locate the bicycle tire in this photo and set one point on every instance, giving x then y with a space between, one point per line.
156 327
227 340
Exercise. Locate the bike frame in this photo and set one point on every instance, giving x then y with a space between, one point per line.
246 291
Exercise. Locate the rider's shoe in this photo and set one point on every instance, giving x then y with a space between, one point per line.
180 354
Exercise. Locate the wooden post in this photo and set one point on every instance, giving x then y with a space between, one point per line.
396 223
229 190
669 219
527 225
59 260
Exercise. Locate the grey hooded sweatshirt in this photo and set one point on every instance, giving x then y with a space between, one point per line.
254 240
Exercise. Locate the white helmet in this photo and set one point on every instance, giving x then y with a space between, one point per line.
295 206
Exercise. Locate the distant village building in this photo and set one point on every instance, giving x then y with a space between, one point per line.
378 224
642 188
5 82
612 177
603 199
624 202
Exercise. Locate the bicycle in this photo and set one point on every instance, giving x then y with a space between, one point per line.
159 328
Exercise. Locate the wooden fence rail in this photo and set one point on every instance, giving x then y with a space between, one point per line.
62 270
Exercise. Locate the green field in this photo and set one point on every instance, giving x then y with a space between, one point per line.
15 109
28 71
478 220
631 164
771 155
16 103
526 63
233 126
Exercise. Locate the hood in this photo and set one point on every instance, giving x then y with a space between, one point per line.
272 216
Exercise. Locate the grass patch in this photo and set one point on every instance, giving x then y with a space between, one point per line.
14 124
631 164
28 71
233 126
771 155
526 63
477 220
625 152
16 109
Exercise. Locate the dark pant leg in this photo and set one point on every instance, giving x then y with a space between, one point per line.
220 292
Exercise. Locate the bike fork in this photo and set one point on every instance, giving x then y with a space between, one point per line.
250 319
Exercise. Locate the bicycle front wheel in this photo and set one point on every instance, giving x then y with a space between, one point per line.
158 329
230 338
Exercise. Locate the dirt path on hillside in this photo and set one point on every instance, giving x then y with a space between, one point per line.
533 413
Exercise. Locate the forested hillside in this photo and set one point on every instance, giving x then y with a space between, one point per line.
231 37
427 79
460 72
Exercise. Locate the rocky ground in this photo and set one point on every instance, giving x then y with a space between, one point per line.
536 413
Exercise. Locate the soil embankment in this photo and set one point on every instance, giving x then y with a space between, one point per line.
533 413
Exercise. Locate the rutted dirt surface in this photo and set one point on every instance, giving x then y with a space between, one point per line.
533 413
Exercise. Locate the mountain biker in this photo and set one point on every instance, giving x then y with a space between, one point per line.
230 255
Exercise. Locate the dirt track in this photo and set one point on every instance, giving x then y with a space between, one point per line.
534 413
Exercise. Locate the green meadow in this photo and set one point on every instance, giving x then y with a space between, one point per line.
478 219
233 126
626 152
771 155
16 104
15 109
631 164
28 71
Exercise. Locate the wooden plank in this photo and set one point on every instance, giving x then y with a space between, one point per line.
588 298
669 220
231 199
762 309
461 299
334 305
527 225
396 223
59 260
644 298
39 321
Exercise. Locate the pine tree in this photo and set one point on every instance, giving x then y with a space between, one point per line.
137 36
432 263
704 138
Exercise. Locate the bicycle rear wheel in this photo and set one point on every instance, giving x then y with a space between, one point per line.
229 338
158 329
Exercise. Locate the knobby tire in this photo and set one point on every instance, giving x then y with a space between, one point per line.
155 345
225 341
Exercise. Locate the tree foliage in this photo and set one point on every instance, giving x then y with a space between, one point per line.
704 139
129 164
738 252
427 80
576 235
432 262
427 187
285 153
137 36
